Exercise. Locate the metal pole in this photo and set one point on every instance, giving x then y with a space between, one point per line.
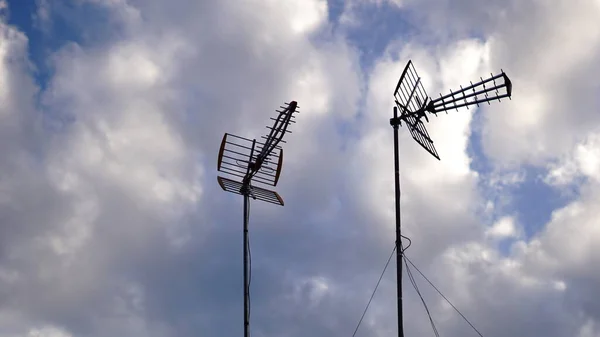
246 290
398 231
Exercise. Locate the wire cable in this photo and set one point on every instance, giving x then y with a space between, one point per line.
444 297
374 290
379 281
414 284
409 243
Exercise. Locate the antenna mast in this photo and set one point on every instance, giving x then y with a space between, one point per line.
412 101
251 160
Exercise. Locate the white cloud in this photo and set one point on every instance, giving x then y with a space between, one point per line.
42 16
48 332
555 99
588 157
589 329
503 228
306 16
562 173
350 15
583 161
502 179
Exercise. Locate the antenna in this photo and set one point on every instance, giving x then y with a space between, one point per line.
412 101
250 161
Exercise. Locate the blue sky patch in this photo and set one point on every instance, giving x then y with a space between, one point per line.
377 26
532 200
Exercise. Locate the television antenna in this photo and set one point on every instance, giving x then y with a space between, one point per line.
254 161
414 104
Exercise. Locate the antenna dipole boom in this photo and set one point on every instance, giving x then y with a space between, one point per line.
460 98
278 130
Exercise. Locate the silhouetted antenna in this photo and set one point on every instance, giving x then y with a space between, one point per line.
257 161
251 161
461 98
413 103
411 99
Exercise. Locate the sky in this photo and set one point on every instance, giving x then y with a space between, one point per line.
112 222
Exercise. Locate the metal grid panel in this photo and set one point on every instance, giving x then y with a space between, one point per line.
238 155
419 133
256 193
409 93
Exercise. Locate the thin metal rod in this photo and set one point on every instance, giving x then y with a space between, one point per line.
398 230
246 290
482 82
456 106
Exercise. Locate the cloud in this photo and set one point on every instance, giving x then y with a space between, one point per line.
42 17
113 223
517 147
504 228
581 162
126 132
47 332
557 91
350 16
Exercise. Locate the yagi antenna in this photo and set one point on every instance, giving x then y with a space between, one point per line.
250 161
256 161
412 105
413 102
